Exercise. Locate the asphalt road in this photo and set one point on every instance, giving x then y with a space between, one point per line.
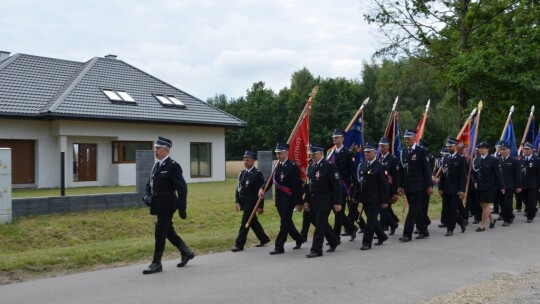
393 273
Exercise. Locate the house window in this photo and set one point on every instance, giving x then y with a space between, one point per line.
169 100
118 95
200 159
124 151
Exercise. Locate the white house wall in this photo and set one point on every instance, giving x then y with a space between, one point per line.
47 134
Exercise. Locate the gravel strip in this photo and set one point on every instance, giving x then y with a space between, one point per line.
502 288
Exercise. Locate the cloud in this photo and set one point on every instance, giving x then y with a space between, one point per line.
203 47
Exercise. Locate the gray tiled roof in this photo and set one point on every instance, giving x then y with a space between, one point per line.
32 86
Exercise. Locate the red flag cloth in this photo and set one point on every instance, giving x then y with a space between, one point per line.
464 138
298 147
420 128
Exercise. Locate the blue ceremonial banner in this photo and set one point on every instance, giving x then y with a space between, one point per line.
536 142
397 140
529 137
473 141
510 138
354 139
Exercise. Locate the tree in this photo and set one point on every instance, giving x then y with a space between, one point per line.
461 38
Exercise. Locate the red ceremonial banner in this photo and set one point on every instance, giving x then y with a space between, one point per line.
298 147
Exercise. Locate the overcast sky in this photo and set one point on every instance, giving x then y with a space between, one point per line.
203 47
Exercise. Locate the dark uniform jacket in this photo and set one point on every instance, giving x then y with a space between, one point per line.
511 172
323 189
247 190
168 188
416 171
392 167
288 184
344 161
453 178
531 173
372 183
488 175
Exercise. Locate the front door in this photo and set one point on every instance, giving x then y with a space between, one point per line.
84 162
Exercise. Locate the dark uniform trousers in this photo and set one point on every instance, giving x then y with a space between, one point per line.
531 184
373 191
249 183
167 183
416 178
288 194
453 180
511 174
344 161
322 191
391 164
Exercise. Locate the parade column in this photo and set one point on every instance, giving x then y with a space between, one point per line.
5 185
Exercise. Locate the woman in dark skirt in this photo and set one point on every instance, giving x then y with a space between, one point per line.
486 180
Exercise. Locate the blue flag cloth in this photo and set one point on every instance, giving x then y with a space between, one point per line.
510 138
473 140
397 140
353 140
536 142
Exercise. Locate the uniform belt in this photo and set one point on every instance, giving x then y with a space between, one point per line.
163 193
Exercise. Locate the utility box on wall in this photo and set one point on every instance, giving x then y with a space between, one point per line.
5 185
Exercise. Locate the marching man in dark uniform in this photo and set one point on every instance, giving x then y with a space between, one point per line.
531 180
373 194
511 174
344 161
415 182
165 193
452 184
392 167
487 179
250 180
288 195
323 193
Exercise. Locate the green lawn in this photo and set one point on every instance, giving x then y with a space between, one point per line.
50 245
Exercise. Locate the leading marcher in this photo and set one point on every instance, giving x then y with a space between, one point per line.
511 175
166 192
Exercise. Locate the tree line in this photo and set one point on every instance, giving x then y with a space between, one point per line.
467 52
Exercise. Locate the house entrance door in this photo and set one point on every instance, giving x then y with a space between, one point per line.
85 162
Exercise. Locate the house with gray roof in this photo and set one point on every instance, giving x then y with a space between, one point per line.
89 118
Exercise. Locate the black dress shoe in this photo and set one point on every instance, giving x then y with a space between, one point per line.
276 251
449 233
442 226
492 225
506 224
476 222
299 244
463 227
500 218
365 247
236 249
405 239
185 259
529 221
416 232
313 255
480 229
333 247
393 229
353 234
381 241
153 268
422 236
345 234
262 243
